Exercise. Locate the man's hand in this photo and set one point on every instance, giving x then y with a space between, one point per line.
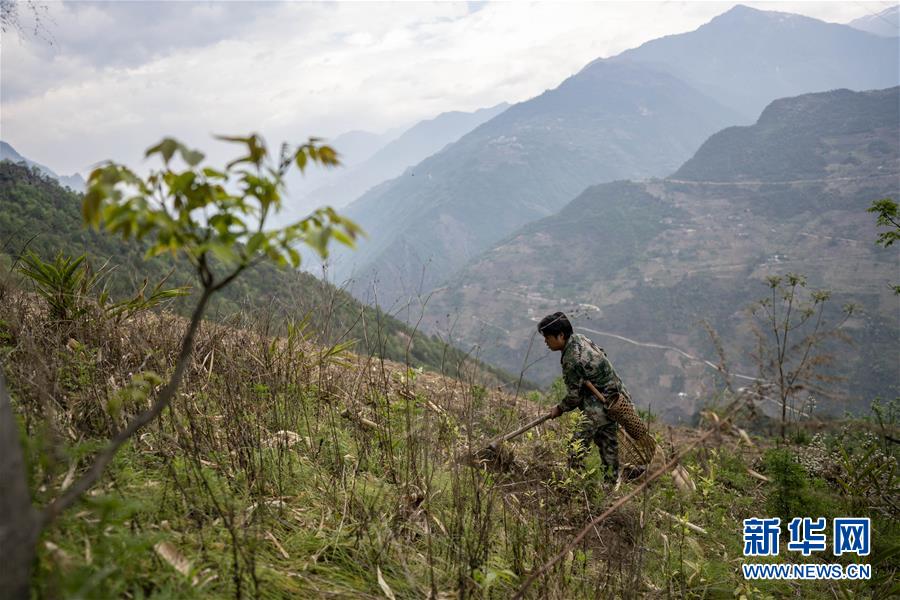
555 412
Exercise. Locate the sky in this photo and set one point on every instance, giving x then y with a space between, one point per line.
106 80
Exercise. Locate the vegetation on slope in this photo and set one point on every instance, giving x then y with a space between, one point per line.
38 215
285 469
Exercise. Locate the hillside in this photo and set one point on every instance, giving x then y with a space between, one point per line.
814 136
37 214
647 261
282 470
609 121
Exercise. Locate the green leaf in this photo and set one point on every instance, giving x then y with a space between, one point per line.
229 138
342 237
328 156
191 157
255 243
294 257
167 148
300 158
90 205
224 253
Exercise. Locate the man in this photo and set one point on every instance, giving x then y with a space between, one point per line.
582 360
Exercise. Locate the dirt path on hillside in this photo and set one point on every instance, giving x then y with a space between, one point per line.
785 182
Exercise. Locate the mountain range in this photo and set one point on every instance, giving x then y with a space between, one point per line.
745 58
610 121
637 115
639 264
385 157
390 160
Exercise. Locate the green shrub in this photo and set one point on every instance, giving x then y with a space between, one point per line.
794 494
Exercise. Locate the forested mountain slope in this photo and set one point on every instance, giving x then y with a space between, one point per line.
37 214
74 182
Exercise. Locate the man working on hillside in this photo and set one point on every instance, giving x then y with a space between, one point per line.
582 360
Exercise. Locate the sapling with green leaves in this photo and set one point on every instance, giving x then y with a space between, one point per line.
214 218
790 330
62 283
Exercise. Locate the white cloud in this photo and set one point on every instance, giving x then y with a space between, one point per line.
121 75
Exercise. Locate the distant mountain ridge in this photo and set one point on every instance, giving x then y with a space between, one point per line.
416 143
640 114
745 58
733 154
357 146
394 152
886 23
648 261
74 182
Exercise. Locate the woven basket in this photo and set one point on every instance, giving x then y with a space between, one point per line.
636 445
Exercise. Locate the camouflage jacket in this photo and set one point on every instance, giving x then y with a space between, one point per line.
583 360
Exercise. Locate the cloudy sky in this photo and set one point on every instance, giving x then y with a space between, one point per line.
104 80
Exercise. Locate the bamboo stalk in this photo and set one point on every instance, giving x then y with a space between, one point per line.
682 521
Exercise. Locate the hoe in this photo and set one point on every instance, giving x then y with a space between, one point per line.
619 412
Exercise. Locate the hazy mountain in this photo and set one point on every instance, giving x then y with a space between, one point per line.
74 182
609 121
745 58
357 147
418 142
640 114
367 160
353 147
886 23
649 260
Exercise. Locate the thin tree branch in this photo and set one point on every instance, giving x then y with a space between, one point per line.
95 471
229 279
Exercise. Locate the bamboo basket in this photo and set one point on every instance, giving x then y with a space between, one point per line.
636 445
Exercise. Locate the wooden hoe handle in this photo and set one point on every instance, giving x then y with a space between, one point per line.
508 436
596 393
